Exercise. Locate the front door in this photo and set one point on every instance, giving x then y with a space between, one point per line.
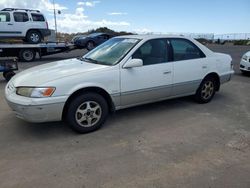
6 24
153 80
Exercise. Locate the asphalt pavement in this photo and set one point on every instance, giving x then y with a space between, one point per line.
174 143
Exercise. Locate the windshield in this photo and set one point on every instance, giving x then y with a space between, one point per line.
94 34
111 52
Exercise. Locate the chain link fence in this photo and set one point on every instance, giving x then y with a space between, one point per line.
210 36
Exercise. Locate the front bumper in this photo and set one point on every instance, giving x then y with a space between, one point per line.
38 113
244 65
35 110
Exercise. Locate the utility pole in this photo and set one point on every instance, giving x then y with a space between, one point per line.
55 18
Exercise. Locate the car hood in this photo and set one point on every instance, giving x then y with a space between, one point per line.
247 54
42 74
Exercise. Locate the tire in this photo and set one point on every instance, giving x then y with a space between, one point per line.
27 55
90 45
87 112
245 73
33 37
206 90
8 75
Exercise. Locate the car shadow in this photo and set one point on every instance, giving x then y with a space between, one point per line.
61 129
42 130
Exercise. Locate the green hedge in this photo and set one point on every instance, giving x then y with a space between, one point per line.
242 42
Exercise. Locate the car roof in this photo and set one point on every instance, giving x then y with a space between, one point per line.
96 34
151 36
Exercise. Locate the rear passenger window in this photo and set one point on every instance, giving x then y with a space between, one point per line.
4 17
37 17
184 50
152 52
21 17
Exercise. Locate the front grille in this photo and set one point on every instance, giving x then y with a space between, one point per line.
242 66
10 88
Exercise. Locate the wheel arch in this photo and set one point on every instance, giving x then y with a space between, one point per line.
93 89
33 29
216 77
91 40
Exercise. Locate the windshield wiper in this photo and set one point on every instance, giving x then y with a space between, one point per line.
90 60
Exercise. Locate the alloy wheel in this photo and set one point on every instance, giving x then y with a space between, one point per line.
88 114
207 90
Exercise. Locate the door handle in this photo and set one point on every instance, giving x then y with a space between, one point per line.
204 66
10 24
167 72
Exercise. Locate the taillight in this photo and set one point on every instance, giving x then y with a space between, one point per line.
47 25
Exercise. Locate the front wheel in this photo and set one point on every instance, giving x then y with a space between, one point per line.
90 45
245 73
206 91
87 112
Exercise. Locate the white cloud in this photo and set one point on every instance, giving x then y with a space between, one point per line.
143 31
68 21
117 13
88 3
43 5
79 22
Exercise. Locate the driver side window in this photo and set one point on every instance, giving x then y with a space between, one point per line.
4 17
152 52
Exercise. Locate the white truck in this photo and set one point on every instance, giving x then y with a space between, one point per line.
30 26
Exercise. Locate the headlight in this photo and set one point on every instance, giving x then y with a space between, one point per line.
35 92
244 57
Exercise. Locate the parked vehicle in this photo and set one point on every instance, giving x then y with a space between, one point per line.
76 38
123 72
92 40
7 67
30 25
28 52
245 63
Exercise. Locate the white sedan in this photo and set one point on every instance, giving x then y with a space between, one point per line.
245 63
122 72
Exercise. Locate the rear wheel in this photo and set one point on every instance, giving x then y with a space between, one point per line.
27 55
206 91
34 37
87 112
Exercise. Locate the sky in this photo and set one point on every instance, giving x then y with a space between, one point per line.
144 16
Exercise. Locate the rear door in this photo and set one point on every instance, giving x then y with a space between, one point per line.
21 23
189 64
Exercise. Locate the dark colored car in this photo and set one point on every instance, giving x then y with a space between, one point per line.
75 38
92 40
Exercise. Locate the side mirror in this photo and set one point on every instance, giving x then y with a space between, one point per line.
133 63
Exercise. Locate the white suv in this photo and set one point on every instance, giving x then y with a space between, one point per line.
28 24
